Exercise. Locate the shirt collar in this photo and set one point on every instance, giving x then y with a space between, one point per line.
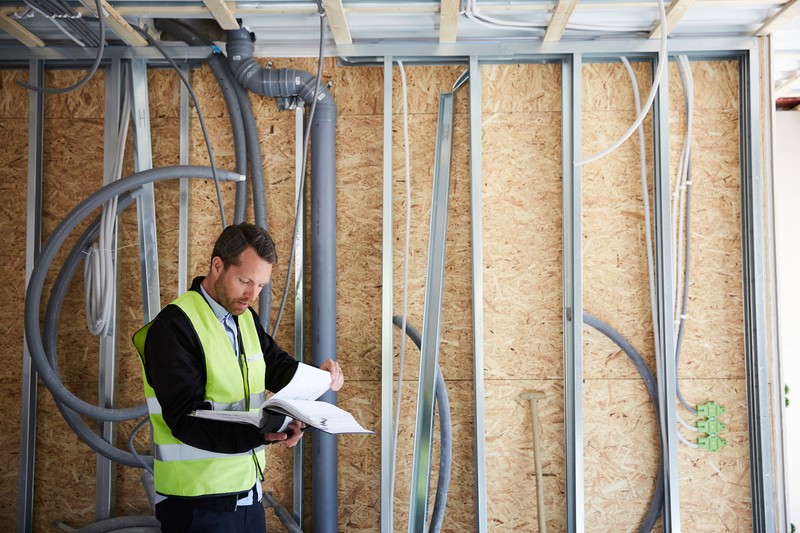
220 312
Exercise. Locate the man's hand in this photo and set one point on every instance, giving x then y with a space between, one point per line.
289 437
337 376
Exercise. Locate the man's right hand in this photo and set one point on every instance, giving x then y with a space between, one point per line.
289 437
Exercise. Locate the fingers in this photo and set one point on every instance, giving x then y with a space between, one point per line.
337 376
288 438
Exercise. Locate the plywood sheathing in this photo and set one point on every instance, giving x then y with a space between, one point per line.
521 190
13 190
521 131
615 290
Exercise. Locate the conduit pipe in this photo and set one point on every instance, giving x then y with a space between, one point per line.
657 501
445 435
296 83
237 108
48 252
51 317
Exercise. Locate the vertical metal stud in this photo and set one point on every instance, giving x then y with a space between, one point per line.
107 372
387 339
299 302
756 360
572 260
665 364
431 319
476 223
145 202
33 241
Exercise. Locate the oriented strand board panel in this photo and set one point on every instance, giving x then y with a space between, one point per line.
616 290
521 188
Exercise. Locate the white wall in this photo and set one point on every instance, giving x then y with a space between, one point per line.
787 249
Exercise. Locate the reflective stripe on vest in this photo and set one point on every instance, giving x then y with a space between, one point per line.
181 469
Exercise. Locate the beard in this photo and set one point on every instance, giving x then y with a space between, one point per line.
235 306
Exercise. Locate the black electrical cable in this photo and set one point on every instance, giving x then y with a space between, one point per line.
446 445
98 58
212 163
298 216
236 112
657 501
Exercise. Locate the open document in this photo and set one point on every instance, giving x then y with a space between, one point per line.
298 399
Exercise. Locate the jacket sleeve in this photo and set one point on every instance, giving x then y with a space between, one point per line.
280 365
175 368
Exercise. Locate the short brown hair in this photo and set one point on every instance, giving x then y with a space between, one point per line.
236 238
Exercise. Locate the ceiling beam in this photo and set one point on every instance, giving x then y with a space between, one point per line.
118 24
784 88
448 21
676 11
222 14
559 20
334 10
19 32
778 20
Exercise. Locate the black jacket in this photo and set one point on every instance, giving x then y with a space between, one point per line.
175 368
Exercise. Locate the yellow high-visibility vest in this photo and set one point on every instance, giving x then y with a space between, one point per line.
231 384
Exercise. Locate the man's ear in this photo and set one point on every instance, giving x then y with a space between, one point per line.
217 266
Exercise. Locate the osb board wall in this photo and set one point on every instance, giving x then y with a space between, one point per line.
521 191
620 458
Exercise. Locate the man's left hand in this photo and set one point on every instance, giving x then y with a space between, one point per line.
337 376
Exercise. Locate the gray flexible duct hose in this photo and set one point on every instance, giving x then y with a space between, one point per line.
55 299
228 86
283 515
657 502
445 435
52 245
128 523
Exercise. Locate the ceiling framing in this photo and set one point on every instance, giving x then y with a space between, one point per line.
292 27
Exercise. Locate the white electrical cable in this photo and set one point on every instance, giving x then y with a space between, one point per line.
662 63
405 275
646 201
686 424
99 272
686 441
681 186
648 239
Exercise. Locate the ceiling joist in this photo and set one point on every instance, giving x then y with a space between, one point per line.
118 24
222 14
334 10
676 11
788 86
778 20
18 31
559 20
448 21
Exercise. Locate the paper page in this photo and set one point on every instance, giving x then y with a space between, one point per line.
308 383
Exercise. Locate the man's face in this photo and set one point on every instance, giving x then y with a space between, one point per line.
238 286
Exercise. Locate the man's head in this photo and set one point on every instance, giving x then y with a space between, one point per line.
241 265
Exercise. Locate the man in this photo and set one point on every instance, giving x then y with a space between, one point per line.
207 350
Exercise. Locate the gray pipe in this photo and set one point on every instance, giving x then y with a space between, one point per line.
445 435
228 87
140 524
657 501
55 299
289 83
54 242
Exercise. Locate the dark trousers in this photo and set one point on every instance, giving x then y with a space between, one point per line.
182 516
